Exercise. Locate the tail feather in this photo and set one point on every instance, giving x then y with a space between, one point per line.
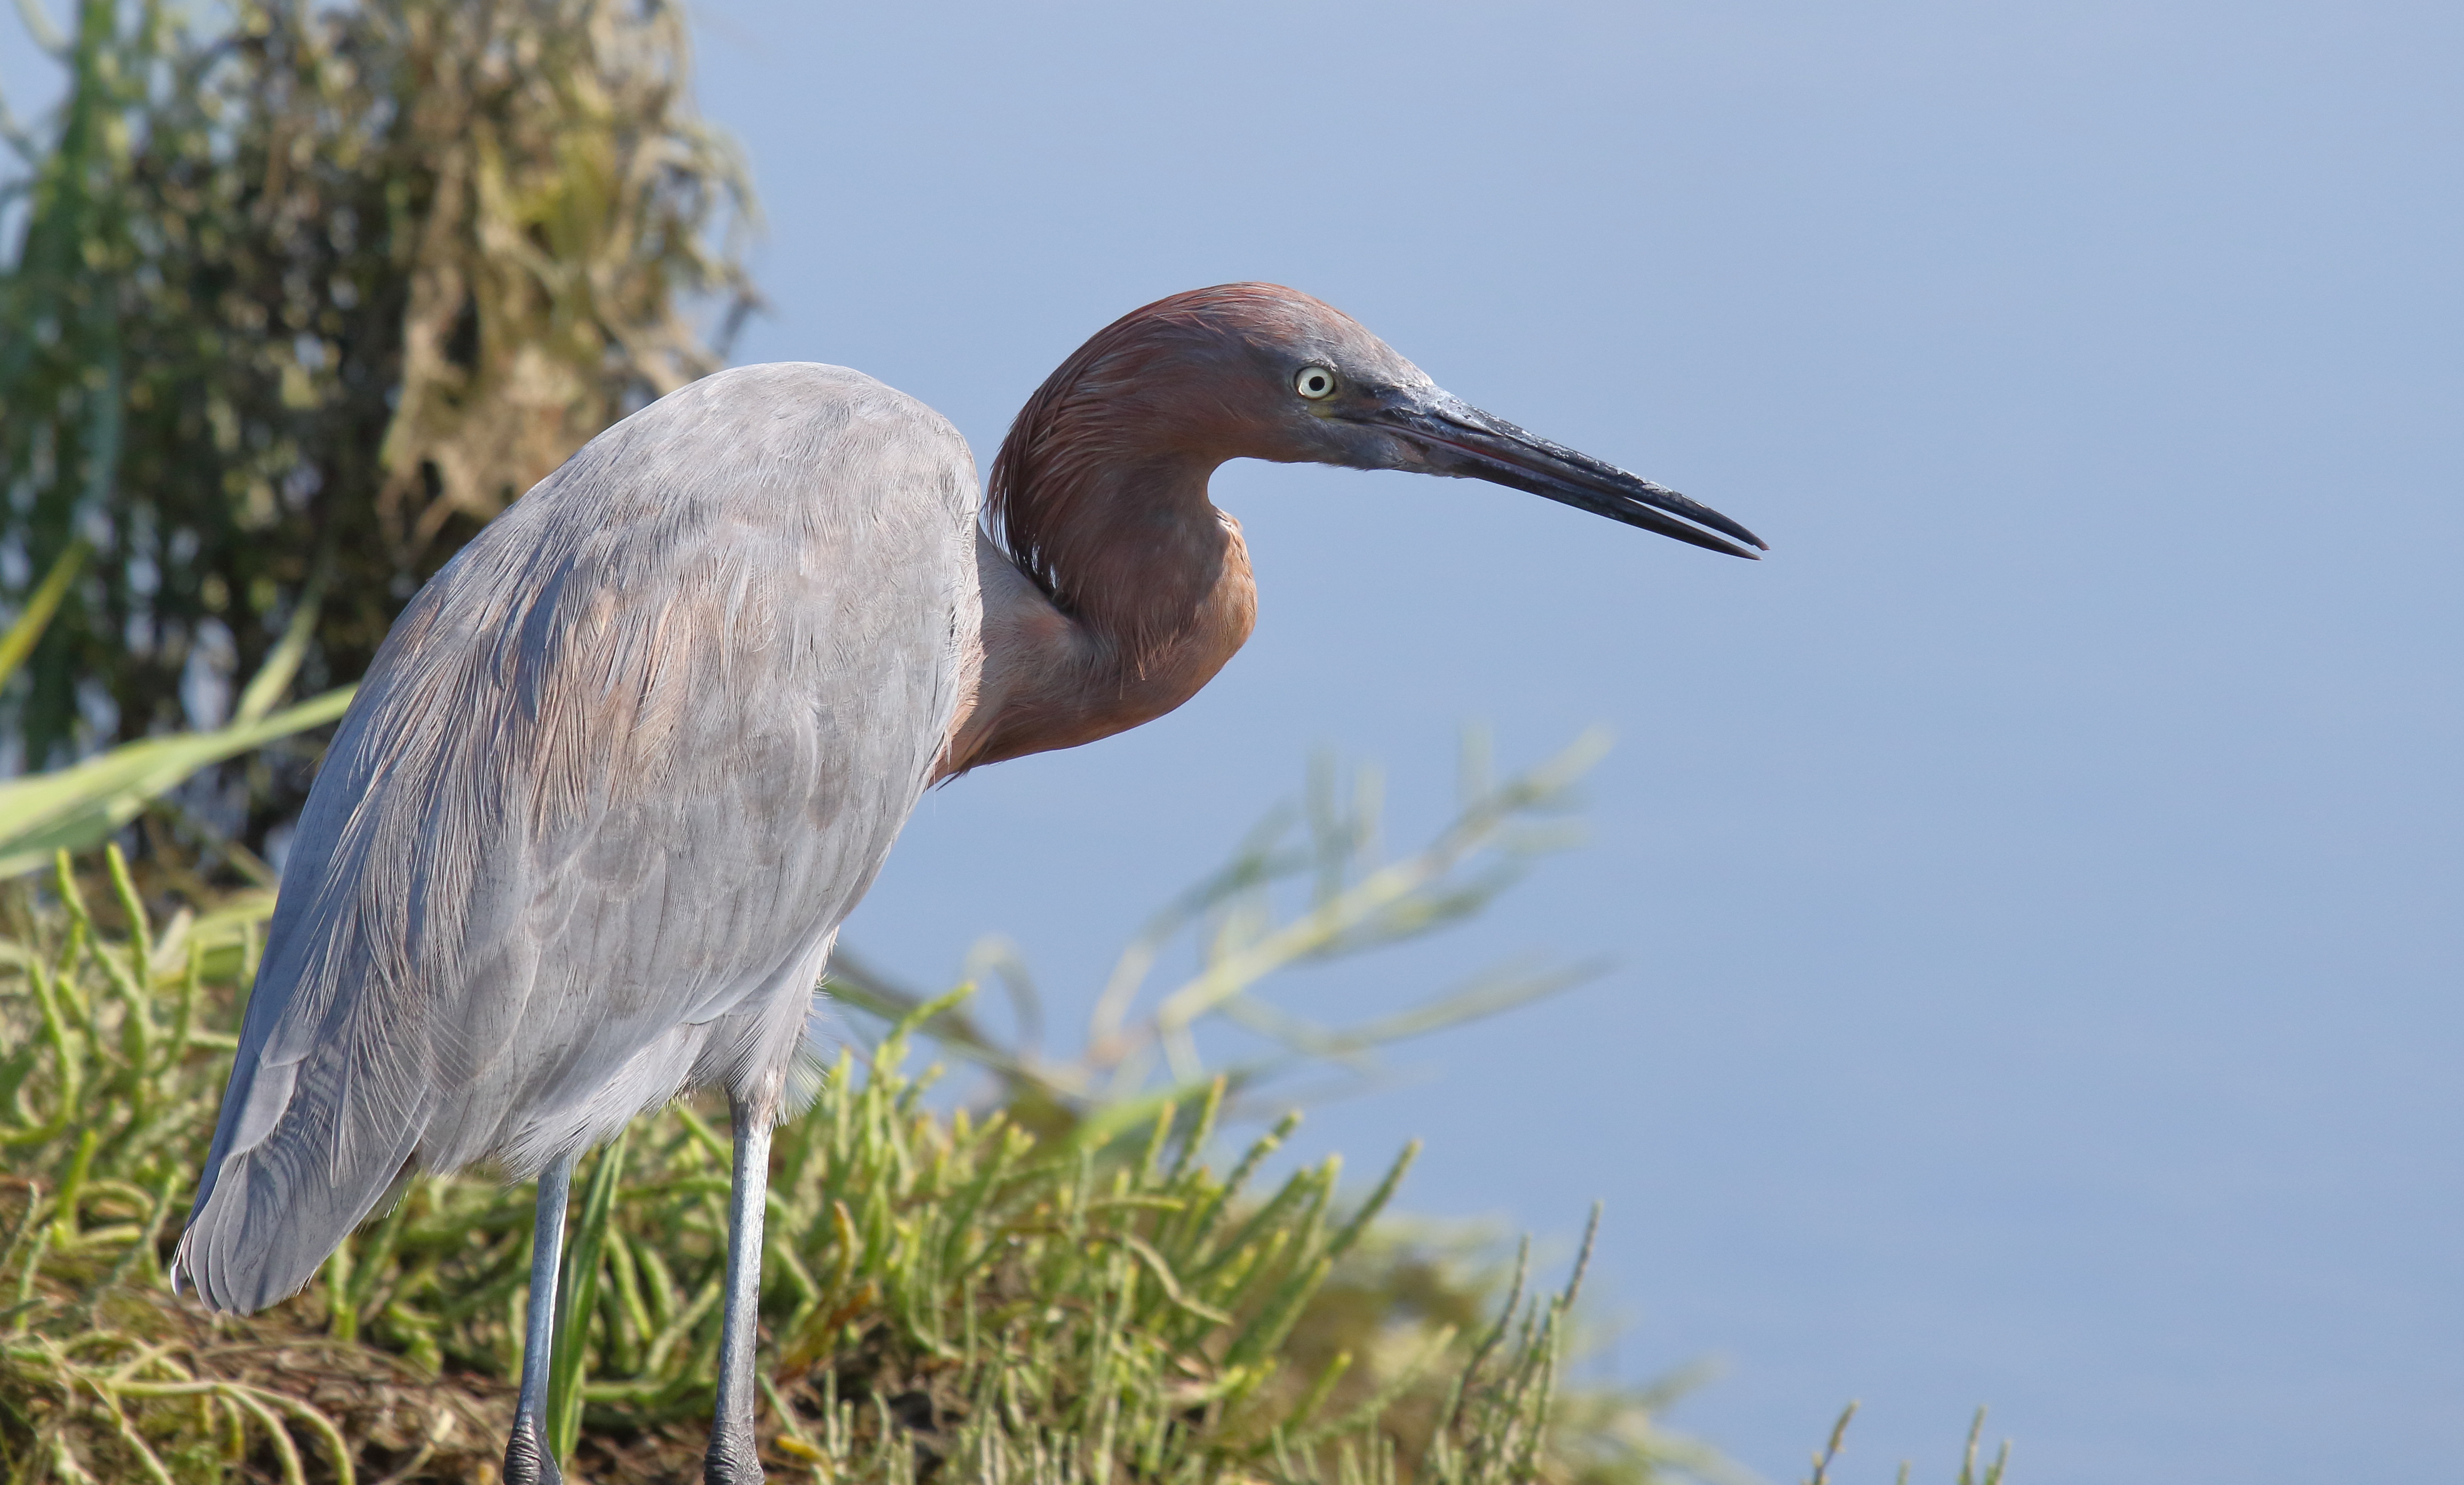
271 1213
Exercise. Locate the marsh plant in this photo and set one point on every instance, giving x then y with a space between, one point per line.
1083 1275
294 296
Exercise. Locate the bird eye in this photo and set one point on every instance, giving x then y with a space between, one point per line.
1315 383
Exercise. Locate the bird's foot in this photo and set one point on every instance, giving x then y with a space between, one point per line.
732 1460
527 1461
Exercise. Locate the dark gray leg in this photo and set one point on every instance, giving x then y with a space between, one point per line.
527 1460
733 1458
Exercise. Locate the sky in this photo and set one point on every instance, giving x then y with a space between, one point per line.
2032 889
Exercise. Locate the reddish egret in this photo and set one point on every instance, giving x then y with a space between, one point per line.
588 831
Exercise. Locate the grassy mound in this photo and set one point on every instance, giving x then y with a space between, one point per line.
950 1296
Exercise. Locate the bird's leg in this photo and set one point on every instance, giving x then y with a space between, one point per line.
733 1459
527 1458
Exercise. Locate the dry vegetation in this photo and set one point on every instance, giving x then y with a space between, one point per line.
291 309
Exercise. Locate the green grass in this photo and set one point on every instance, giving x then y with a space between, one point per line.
1079 1275
1063 1286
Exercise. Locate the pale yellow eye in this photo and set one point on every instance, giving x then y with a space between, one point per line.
1315 383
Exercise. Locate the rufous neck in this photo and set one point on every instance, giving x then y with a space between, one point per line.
1112 599
1135 552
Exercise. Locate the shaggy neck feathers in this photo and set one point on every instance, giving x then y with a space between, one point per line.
1126 589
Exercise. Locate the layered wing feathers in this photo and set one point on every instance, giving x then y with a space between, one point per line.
601 802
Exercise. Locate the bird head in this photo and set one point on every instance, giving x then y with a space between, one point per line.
1256 370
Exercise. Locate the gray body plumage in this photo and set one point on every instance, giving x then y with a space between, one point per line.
590 825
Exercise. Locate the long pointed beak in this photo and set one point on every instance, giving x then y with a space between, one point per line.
1462 440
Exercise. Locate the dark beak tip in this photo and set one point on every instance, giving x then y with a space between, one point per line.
1487 447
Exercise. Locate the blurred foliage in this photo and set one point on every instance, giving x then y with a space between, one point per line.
1307 886
1974 1468
286 310
84 804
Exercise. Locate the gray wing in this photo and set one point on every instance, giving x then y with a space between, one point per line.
601 804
